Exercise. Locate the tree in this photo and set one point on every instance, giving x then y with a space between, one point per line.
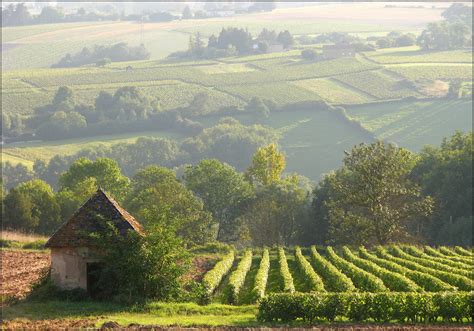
70 200
308 54
105 171
286 39
275 216
137 267
375 200
256 105
44 207
50 15
18 212
187 14
267 166
157 189
445 173
224 192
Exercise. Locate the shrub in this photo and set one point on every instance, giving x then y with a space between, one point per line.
214 276
315 282
362 279
237 278
262 275
395 281
334 279
287 279
360 307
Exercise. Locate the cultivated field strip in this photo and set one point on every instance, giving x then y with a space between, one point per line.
407 269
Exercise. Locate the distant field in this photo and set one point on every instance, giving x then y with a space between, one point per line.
414 55
434 71
413 124
27 153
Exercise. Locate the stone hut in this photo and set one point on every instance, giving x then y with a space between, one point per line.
73 255
338 50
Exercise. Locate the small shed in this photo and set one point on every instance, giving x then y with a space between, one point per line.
74 258
338 50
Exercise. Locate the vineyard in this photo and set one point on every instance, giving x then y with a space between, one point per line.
247 277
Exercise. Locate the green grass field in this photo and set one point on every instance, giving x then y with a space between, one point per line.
413 124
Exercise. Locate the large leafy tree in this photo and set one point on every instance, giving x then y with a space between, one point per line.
224 191
267 166
17 212
374 198
446 174
44 207
105 171
157 189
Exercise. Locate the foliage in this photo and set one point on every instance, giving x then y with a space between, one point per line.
394 281
445 35
285 274
224 192
374 198
363 280
315 282
424 280
115 53
237 277
334 280
105 171
139 267
261 278
267 166
214 276
359 307
158 189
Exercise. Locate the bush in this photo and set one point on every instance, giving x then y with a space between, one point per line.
362 279
335 280
287 279
262 276
237 278
315 282
361 307
213 277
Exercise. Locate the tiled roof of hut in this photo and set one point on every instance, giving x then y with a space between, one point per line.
74 233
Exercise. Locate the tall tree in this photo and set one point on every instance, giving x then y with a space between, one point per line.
375 199
17 212
267 166
224 191
106 172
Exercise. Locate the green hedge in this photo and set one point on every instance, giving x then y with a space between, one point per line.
214 276
363 280
287 279
426 281
412 250
335 280
237 278
262 276
315 282
363 307
394 281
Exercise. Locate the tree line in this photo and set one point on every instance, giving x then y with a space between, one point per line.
382 194
233 41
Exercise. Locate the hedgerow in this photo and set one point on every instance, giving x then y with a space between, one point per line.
214 276
394 281
462 251
359 307
426 281
287 279
311 276
438 262
362 279
262 275
461 282
334 280
459 269
237 278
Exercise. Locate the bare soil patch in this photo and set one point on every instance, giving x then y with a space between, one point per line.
20 270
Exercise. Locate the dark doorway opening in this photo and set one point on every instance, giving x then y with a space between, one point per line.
94 270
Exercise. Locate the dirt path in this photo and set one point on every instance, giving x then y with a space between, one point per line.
20 270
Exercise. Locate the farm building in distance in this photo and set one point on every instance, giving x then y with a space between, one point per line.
338 50
74 257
